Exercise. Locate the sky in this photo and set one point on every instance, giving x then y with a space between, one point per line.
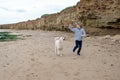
13 11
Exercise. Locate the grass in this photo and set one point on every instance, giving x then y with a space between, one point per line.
6 36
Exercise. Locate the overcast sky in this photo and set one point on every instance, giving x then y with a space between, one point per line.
12 11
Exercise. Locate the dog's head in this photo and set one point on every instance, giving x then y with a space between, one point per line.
62 38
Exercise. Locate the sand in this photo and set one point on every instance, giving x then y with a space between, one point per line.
33 58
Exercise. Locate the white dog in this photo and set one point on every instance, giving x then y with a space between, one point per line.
59 45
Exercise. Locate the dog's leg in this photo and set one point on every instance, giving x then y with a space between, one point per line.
55 50
58 52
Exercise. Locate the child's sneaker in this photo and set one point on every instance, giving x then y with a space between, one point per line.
78 54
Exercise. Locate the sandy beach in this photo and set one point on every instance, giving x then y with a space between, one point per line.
33 58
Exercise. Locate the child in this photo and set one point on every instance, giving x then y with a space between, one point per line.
79 34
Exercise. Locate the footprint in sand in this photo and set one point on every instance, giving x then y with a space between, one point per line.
104 63
110 55
66 73
6 56
4 66
54 58
7 64
32 54
76 79
99 50
112 65
75 58
31 76
77 74
32 59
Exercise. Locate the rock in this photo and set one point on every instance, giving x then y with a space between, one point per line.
100 13
116 37
113 40
107 37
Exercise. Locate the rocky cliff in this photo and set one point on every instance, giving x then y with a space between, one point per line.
93 13
99 13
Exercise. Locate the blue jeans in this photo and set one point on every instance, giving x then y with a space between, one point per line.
78 44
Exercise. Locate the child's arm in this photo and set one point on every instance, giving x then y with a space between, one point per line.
83 33
71 28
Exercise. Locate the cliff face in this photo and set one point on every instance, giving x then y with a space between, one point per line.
99 13
93 13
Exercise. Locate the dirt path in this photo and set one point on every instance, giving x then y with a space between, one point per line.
33 58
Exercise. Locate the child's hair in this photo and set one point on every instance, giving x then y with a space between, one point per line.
80 24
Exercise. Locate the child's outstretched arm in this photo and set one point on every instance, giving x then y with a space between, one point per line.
71 28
